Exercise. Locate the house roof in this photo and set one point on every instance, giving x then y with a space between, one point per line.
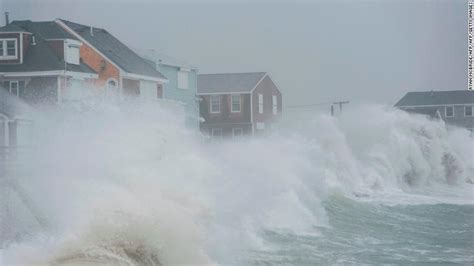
40 57
428 111
163 59
45 29
114 50
228 82
11 28
421 98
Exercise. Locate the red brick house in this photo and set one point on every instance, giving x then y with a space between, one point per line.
237 104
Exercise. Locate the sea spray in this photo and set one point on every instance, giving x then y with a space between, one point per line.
128 184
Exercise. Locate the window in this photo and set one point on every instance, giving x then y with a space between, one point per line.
449 111
274 104
112 87
8 49
216 133
468 110
15 88
183 79
260 103
260 125
237 132
159 91
215 104
235 108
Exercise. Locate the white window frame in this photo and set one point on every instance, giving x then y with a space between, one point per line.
446 111
218 97
3 53
232 103
183 79
260 126
260 103
214 136
274 104
17 87
472 110
234 130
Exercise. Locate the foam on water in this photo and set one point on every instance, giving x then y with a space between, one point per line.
127 184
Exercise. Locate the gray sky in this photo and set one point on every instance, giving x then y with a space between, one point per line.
316 51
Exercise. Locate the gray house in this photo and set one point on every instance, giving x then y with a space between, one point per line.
456 108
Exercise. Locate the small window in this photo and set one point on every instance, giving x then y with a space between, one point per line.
237 132
260 125
449 111
215 103
159 91
468 110
260 103
8 49
183 79
274 104
15 88
112 88
216 133
235 108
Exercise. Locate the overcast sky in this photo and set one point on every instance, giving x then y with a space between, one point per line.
316 51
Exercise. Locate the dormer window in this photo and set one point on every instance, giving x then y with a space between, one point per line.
8 49
71 53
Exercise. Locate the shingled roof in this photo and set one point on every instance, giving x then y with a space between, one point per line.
228 82
45 29
424 98
41 57
114 50
11 28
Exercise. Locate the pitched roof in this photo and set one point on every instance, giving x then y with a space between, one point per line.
115 50
428 111
421 98
45 29
228 83
11 28
163 59
41 57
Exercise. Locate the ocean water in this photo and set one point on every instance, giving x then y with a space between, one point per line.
127 184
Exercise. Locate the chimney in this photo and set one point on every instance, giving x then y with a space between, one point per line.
92 31
7 20
33 40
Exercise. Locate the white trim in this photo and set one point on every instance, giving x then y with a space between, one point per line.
274 104
446 111
16 32
4 55
142 77
49 73
59 89
17 87
210 104
232 104
224 93
472 111
21 49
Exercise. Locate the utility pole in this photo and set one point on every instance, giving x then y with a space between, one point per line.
340 103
